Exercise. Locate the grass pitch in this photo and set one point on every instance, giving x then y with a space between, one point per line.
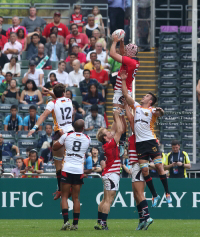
118 228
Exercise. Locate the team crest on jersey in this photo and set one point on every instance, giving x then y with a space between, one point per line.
146 114
63 101
154 149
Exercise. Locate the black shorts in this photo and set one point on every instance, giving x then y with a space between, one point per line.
147 149
69 178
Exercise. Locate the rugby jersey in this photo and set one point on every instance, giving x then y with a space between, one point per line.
132 154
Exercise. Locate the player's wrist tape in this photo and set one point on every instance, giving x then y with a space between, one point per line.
35 127
144 165
157 161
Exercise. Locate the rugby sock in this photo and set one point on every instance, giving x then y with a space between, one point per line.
65 215
58 175
76 217
145 209
99 217
104 218
141 218
149 183
163 179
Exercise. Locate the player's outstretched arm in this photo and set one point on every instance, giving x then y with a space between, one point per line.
119 125
159 112
128 98
45 91
129 115
57 146
113 54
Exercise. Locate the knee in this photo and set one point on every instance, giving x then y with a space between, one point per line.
145 171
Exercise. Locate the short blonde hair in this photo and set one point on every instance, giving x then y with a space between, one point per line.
100 135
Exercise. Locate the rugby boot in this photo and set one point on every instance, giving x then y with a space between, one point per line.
66 226
147 223
155 201
104 227
140 226
98 226
74 227
57 195
168 198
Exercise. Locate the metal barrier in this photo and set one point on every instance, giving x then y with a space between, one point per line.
189 172
188 13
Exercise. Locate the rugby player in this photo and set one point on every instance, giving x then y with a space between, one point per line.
111 168
76 144
130 63
138 182
61 110
146 144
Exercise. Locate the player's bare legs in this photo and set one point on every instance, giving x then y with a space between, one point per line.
65 195
75 197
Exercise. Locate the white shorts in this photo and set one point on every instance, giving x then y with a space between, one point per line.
117 95
137 173
111 181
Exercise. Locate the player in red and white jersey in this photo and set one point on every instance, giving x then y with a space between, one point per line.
138 182
76 144
130 63
61 110
111 168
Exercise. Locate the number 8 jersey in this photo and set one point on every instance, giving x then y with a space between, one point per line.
61 109
76 145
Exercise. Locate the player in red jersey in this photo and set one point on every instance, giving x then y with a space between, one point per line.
130 63
111 168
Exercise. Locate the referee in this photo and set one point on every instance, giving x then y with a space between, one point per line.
177 161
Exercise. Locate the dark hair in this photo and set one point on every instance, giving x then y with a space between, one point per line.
33 151
35 34
1 17
32 107
175 142
58 90
70 45
86 70
73 25
13 80
98 61
70 93
62 61
19 31
20 158
32 7
74 54
13 33
153 98
29 148
93 37
54 27
93 53
14 107
9 74
94 108
48 124
52 73
37 28
77 7
15 57
53 34
90 93
33 83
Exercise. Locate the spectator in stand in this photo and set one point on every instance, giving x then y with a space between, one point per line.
116 13
61 75
94 120
69 66
88 164
54 49
12 67
32 21
60 38
100 75
88 29
7 147
11 95
13 122
71 42
19 164
34 74
75 103
98 19
77 18
32 48
62 28
177 161
1 76
3 32
31 119
90 64
3 59
3 38
32 164
12 47
40 56
21 38
46 139
96 33
52 78
75 116
81 38
96 167
52 84
76 76
47 155
31 94
93 96
91 46
80 56
39 32
16 26
101 55
5 85
84 85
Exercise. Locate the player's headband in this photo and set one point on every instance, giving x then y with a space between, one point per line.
131 50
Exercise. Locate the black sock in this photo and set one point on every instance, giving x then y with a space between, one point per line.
141 218
163 179
122 139
65 215
104 218
99 217
76 217
145 209
149 183
58 175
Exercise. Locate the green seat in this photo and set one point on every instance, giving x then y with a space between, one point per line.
46 72
54 65
18 80
23 71
5 108
75 91
45 99
78 99
23 57
24 64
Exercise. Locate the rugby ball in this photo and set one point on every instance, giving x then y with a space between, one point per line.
120 33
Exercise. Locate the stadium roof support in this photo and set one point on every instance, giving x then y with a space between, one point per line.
194 60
